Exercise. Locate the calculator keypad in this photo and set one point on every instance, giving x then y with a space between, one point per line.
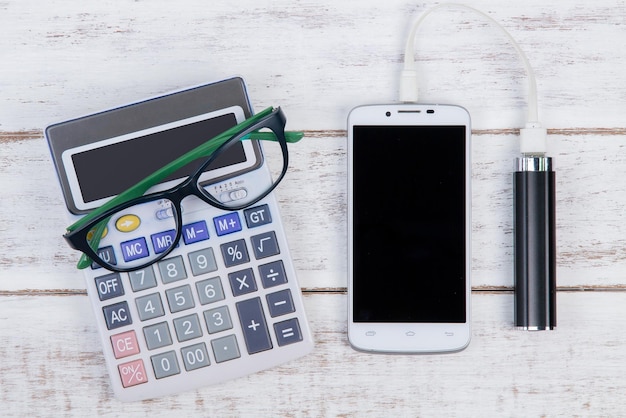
218 298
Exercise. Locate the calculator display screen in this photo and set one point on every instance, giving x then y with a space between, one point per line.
109 170
409 224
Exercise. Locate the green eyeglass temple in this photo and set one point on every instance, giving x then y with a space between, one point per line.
204 150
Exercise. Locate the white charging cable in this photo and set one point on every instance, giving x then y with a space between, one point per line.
533 136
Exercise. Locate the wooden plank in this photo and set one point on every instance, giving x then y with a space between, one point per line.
316 58
51 349
590 200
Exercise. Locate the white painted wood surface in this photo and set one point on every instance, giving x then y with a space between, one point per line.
318 59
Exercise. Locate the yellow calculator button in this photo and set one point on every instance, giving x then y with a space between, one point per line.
90 233
127 223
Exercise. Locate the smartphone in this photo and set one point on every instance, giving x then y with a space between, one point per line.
409 206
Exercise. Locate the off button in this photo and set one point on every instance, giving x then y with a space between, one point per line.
127 223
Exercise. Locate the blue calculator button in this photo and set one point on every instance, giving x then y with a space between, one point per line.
195 232
134 249
163 241
227 224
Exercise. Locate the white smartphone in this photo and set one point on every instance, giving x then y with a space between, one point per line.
409 206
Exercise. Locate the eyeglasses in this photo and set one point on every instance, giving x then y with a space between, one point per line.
103 234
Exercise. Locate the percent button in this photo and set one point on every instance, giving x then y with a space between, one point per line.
235 253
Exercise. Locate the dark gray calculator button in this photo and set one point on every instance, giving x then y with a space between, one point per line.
273 274
288 332
280 303
107 254
142 279
242 282
109 286
117 315
235 253
255 331
257 216
265 245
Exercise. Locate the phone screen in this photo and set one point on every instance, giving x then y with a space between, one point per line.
409 224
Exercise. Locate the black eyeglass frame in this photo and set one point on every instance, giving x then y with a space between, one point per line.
77 239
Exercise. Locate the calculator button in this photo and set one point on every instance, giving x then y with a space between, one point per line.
124 344
163 241
117 315
227 224
172 269
157 335
202 261
210 290
273 274
134 249
242 282
218 319
265 245
127 223
149 306
225 348
288 332
179 298
195 356
235 253
187 328
142 279
106 254
253 324
132 373
165 364
195 232
280 303
257 216
109 286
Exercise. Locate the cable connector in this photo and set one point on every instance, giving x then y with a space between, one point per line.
408 86
533 139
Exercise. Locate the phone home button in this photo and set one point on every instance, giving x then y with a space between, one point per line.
370 333
410 334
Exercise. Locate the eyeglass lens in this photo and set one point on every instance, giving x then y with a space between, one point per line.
139 235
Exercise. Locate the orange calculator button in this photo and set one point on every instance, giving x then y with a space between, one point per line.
127 223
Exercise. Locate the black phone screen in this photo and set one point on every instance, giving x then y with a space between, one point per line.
409 224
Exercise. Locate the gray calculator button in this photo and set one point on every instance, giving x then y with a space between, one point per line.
272 274
180 298
109 286
149 306
235 253
255 331
225 348
218 319
242 282
157 335
172 269
265 245
195 356
210 290
257 216
187 328
280 303
142 279
165 364
117 315
288 332
202 261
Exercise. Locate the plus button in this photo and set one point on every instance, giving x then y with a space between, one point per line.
253 325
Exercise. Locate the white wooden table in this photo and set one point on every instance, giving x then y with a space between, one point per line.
318 59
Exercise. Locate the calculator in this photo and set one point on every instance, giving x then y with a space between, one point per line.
226 301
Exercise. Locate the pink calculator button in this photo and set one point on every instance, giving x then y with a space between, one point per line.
132 373
124 344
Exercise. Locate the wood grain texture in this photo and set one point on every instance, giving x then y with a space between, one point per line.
318 59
